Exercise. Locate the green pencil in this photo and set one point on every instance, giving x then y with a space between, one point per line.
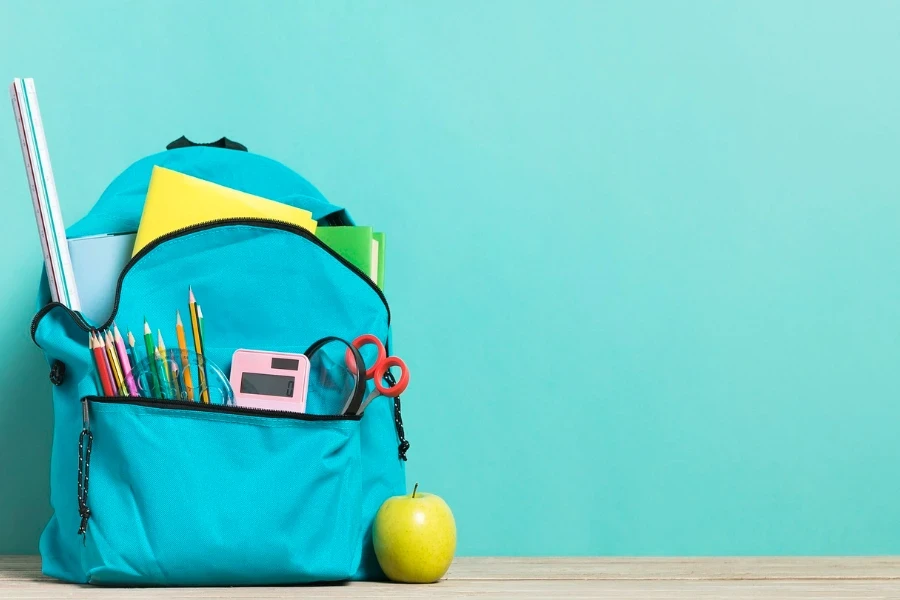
164 365
166 392
153 374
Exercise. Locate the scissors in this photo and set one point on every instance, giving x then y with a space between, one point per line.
378 371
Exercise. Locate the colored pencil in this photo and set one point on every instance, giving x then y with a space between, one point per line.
98 339
99 353
118 379
119 365
132 357
168 361
153 371
185 364
200 320
198 346
165 392
125 362
112 372
164 364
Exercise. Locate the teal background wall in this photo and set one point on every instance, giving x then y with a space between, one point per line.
643 255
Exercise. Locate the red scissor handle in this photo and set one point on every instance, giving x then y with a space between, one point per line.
361 341
382 368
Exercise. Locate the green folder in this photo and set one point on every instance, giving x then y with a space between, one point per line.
353 243
379 237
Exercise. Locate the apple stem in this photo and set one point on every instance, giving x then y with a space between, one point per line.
415 487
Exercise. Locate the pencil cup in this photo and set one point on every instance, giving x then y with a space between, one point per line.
175 377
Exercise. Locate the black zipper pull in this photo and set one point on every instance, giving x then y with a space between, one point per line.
84 467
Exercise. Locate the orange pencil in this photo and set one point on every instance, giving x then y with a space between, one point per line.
185 365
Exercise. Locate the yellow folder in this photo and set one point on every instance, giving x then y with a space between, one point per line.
175 200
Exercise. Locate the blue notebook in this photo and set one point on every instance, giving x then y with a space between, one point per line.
97 261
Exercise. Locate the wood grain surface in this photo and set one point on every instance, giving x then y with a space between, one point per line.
652 578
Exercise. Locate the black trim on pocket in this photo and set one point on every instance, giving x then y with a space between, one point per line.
217 408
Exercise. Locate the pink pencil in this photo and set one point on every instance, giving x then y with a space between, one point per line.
126 365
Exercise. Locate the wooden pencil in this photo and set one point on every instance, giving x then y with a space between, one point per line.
198 345
153 372
164 362
124 361
114 364
99 362
185 363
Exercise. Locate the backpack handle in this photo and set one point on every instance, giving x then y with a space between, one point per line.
223 142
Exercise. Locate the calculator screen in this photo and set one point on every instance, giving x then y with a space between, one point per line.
263 384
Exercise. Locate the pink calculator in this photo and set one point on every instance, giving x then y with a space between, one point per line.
270 380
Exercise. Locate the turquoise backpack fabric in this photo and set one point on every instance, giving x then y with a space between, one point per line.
168 495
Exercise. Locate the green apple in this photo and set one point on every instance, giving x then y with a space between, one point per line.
414 537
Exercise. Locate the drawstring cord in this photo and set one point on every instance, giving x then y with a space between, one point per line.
84 473
84 469
398 419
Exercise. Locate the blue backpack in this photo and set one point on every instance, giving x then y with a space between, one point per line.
169 494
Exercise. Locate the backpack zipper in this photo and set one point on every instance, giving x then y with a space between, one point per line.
255 222
217 408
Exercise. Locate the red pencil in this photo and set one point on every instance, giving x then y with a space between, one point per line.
99 351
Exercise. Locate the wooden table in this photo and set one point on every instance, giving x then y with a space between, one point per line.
654 578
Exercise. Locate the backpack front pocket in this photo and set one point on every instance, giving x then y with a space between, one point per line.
192 494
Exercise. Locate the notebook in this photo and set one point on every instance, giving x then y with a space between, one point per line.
97 262
353 243
360 246
379 279
175 200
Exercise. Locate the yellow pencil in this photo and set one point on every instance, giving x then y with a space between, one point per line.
111 343
198 347
185 365
114 364
167 364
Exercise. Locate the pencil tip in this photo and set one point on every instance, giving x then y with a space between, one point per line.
191 295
